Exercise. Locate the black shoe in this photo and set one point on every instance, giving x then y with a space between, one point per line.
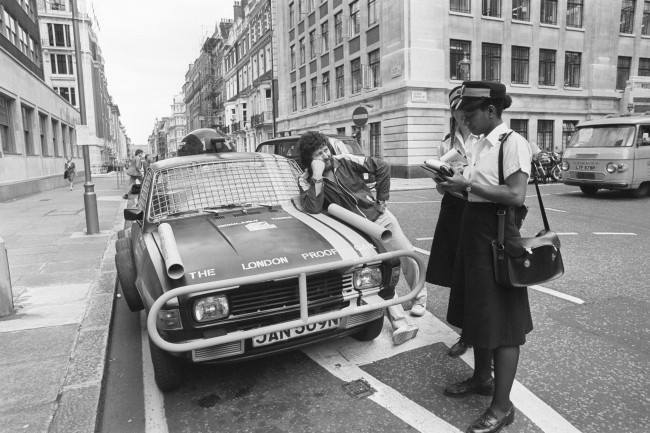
458 349
489 423
470 386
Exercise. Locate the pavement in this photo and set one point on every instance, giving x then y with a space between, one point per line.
53 347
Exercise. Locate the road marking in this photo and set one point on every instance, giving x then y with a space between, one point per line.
421 251
414 202
567 234
154 402
557 294
423 239
555 210
615 233
342 357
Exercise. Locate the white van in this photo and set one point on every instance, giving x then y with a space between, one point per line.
609 153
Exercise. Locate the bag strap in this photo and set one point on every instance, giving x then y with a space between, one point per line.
501 212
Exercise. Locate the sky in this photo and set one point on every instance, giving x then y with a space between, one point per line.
147 47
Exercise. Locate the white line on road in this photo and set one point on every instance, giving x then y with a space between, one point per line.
566 234
558 294
555 210
413 202
154 402
615 233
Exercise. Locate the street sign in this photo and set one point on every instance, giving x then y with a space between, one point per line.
360 116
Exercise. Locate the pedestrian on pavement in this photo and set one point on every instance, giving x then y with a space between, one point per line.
135 170
69 172
340 180
445 238
493 318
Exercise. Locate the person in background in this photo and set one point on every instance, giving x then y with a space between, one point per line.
134 170
494 319
445 238
340 180
70 171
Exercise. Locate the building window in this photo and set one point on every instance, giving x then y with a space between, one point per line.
519 73
300 10
492 8
58 35
301 44
10 28
294 99
57 5
548 12
460 6
27 129
574 13
623 72
303 95
374 67
545 135
6 137
627 16
292 15
644 67
460 55
310 6
61 64
372 12
312 44
355 74
491 64
572 62
314 91
568 128
42 128
340 82
326 87
324 37
355 20
546 67
645 23
338 28
520 126
521 10
292 54
375 140
68 93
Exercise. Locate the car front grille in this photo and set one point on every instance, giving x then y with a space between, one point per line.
322 289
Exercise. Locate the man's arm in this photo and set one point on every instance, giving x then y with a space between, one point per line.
312 197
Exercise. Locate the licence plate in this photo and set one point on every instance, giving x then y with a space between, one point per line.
287 334
585 166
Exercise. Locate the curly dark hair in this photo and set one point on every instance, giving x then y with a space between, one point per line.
309 143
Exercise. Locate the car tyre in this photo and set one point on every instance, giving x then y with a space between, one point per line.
167 369
126 275
122 244
589 190
371 330
642 191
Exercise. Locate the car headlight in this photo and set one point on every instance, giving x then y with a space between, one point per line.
367 277
611 167
211 308
564 165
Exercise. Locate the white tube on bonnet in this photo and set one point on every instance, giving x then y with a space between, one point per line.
364 224
173 263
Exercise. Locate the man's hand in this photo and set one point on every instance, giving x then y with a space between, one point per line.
381 206
317 168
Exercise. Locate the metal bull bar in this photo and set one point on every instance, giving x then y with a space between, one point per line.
305 318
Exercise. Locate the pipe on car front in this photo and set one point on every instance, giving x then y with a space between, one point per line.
173 263
363 224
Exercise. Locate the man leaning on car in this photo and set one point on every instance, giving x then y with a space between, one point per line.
339 180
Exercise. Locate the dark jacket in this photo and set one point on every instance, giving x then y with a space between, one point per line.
349 189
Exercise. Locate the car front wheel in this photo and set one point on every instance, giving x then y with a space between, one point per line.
371 330
167 369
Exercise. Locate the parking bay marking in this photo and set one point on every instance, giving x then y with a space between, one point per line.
342 358
154 401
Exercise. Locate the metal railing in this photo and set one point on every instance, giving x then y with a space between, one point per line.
305 318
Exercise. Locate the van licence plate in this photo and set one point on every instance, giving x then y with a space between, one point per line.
287 334
585 166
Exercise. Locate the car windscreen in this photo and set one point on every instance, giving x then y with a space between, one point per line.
222 183
345 146
603 136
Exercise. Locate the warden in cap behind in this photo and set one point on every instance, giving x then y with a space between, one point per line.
494 319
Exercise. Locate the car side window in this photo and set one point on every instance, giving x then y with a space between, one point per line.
265 148
644 136
290 150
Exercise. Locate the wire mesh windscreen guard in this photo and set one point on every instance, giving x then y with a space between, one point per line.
201 185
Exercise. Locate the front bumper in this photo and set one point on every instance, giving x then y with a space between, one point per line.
232 340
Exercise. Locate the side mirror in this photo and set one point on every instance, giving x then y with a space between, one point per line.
133 214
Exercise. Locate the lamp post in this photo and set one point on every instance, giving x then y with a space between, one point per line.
90 198
463 68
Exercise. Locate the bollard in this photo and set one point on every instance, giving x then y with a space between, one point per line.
6 297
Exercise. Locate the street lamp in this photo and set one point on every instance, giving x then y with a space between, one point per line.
463 68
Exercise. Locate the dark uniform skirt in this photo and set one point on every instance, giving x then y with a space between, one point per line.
445 241
490 315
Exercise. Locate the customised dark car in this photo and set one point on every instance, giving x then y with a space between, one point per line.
229 268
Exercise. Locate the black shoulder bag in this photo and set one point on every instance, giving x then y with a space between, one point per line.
521 262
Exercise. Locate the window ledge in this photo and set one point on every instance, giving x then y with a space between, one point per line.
491 18
522 22
461 14
573 89
626 35
520 85
575 29
372 26
645 36
550 26
546 86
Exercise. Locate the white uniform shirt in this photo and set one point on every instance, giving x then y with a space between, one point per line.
484 158
466 146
